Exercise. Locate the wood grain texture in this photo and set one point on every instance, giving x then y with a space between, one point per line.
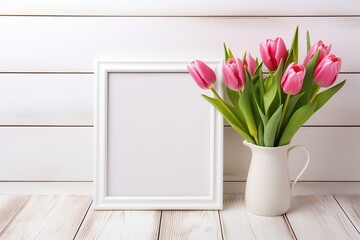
71 43
48 217
67 99
47 188
238 223
179 8
46 99
320 217
46 154
351 206
114 225
191 225
10 205
305 188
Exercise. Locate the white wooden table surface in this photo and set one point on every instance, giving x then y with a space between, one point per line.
72 217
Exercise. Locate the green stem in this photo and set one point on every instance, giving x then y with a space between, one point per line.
314 94
257 141
282 115
229 110
225 106
215 93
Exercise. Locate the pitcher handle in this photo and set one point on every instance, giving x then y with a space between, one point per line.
306 165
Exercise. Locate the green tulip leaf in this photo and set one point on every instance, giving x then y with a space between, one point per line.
291 57
245 103
261 134
224 109
240 116
270 94
324 96
261 91
230 117
278 74
264 119
296 121
226 53
289 110
242 133
233 96
271 127
231 55
293 53
308 42
258 70
309 79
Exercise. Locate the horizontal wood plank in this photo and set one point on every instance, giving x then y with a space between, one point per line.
179 8
351 206
48 217
238 223
113 225
304 188
67 99
10 205
71 43
46 99
50 154
86 188
65 154
330 147
320 218
43 188
178 225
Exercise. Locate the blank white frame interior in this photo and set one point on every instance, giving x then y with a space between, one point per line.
158 143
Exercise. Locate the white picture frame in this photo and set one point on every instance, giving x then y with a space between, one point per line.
121 170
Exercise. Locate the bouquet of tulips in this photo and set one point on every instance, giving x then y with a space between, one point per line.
268 109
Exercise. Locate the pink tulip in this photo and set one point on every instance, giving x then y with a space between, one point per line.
203 75
324 50
292 80
250 63
234 74
327 71
272 52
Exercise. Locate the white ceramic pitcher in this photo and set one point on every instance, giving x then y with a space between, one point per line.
268 186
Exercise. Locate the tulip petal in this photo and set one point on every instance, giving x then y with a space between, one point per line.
266 57
230 78
206 73
196 77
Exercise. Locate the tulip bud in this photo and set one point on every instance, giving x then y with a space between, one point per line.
250 63
324 50
234 74
292 80
272 52
203 75
327 71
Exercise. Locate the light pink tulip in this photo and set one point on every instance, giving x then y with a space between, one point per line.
234 74
203 75
327 71
292 80
272 52
324 50
250 63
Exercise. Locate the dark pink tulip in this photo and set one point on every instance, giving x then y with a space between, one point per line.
234 74
203 75
292 80
324 50
327 71
272 52
250 63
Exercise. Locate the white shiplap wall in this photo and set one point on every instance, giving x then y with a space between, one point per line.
46 79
